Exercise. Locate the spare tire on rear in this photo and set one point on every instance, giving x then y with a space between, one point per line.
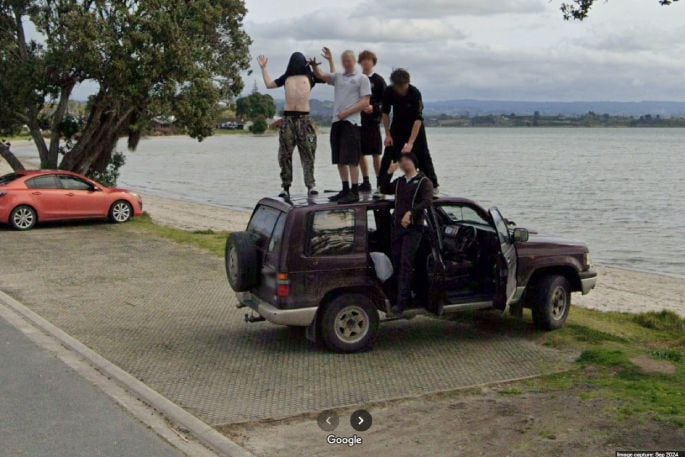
242 262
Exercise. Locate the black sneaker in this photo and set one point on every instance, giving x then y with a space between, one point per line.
349 197
337 196
365 187
285 194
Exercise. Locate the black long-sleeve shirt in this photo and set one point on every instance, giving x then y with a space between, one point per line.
415 195
406 109
378 87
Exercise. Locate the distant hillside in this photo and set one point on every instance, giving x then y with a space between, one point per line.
486 107
322 109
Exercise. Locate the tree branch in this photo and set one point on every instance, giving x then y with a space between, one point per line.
9 156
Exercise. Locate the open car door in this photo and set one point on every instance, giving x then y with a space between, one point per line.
506 287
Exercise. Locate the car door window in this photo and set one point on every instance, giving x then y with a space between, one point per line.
44 182
71 183
332 233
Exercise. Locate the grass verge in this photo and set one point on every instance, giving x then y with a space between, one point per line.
208 240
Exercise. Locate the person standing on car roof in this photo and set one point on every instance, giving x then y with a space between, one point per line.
372 143
413 197
407 132
352 95
297 128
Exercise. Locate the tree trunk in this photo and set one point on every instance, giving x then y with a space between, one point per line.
11 159
93 151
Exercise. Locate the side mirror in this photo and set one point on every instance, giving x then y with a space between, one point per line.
95 189
521 235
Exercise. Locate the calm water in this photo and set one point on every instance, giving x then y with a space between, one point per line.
620 190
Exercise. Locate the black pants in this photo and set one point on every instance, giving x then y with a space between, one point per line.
392 154
405 245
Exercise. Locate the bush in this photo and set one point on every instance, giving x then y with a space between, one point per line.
259 126
111 174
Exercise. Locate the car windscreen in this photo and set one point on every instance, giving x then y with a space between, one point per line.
6 179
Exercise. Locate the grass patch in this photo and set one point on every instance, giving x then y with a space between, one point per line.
666 321
607 342
208 240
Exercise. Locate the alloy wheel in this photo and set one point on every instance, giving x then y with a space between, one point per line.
23 218
351 324
121 212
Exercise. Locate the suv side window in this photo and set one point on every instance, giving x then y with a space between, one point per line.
332 233
43 182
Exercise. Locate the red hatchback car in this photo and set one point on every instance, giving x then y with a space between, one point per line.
27 197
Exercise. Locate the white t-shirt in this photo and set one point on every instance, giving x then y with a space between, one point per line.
349 89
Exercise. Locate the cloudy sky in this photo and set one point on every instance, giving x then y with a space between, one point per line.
488 49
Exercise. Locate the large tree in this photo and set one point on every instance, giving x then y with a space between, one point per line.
146 59
580 9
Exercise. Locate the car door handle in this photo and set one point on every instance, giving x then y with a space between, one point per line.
35 193
70 194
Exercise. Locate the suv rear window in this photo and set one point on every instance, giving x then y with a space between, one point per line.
6 179
332 233
263 221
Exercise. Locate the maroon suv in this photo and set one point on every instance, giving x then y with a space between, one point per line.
326 266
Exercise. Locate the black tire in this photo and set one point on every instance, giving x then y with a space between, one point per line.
349 323
120 212
23 218
242 262
551 302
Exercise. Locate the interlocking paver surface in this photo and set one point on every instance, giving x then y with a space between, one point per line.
164 312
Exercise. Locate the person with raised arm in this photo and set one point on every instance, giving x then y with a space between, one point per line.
298 128
352 96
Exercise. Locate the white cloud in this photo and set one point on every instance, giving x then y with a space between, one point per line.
333 24
442 8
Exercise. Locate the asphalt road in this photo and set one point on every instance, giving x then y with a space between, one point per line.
46 409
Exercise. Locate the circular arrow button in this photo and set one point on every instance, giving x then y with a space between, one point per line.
328 421
361 420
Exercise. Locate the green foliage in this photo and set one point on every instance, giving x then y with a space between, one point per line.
603 357
148 59
110 175
256 105
259 126
669 355
580 9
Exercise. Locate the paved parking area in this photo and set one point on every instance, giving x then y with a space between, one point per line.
165 313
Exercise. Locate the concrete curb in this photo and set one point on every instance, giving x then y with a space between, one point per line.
201 431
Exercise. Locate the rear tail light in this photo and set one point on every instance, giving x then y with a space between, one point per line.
282 285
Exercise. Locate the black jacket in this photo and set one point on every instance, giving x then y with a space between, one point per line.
415 195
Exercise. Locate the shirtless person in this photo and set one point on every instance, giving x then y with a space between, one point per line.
298 128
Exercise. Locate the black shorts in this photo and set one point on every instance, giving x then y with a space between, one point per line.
372 143
346 145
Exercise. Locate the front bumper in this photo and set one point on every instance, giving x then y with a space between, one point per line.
302 317
588 281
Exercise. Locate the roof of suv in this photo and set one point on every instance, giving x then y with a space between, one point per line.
322 202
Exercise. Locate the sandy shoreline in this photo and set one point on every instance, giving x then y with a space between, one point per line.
617 290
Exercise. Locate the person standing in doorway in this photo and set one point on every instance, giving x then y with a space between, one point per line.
372 143
407 132
413 198
297 129
352 96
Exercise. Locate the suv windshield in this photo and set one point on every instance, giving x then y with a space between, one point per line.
6 179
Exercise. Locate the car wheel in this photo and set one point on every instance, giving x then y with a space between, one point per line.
241 261
552 302
120 212
349 323
23 218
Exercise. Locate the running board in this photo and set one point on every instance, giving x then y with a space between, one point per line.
466 306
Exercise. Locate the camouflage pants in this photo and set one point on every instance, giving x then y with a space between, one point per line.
297 131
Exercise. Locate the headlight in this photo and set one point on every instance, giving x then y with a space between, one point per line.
587 260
